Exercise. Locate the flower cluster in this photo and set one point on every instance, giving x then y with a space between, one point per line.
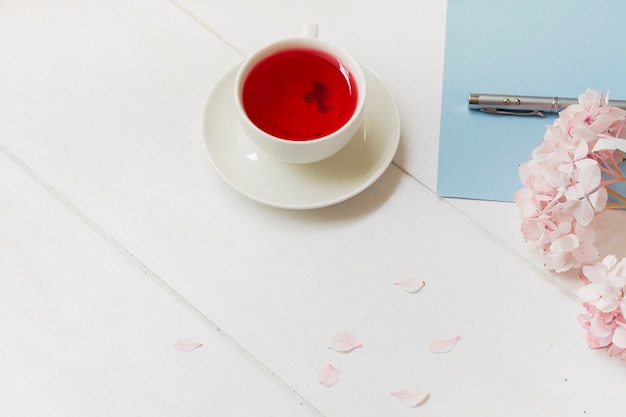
567 182
603 298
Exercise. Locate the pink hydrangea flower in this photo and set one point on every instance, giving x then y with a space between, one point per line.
564 187
566 184
605 287
603 299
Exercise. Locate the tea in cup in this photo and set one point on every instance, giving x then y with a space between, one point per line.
300 100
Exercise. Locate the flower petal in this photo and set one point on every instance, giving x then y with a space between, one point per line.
443 345
328 376
604 144
585 253
588 292
411 285
619 337
186 345
598 199
583 212
343 340
566 243
411 396
614 350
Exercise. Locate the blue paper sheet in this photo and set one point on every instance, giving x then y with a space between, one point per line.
531 47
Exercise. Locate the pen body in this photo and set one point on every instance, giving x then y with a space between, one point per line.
520 103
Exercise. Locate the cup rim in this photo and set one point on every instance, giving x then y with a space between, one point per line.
326 47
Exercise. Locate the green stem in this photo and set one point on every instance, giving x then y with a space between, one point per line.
615 194
615 165
612 181
615 206
609 166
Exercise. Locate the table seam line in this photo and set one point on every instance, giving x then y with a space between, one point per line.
156 279
194 16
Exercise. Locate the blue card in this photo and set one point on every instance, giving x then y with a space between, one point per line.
533 48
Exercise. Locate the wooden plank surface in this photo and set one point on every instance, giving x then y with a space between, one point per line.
119 238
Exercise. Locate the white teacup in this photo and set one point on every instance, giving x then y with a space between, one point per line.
301 99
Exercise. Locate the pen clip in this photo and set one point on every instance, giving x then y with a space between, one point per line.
492 110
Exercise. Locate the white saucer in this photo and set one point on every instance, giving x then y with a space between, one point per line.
301 186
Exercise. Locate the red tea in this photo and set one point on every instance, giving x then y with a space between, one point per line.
299 94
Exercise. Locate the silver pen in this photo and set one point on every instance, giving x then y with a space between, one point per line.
524 105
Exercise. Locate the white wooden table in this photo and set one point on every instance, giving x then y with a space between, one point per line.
118 238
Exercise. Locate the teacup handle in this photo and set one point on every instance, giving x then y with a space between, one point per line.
309 30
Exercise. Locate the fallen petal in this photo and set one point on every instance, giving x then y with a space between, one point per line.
411 396
328 376
443 345
343 341
411 285
186 345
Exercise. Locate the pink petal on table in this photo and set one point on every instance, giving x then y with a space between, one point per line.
186 345
328 376
411 396
443 345
343 341
411 285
